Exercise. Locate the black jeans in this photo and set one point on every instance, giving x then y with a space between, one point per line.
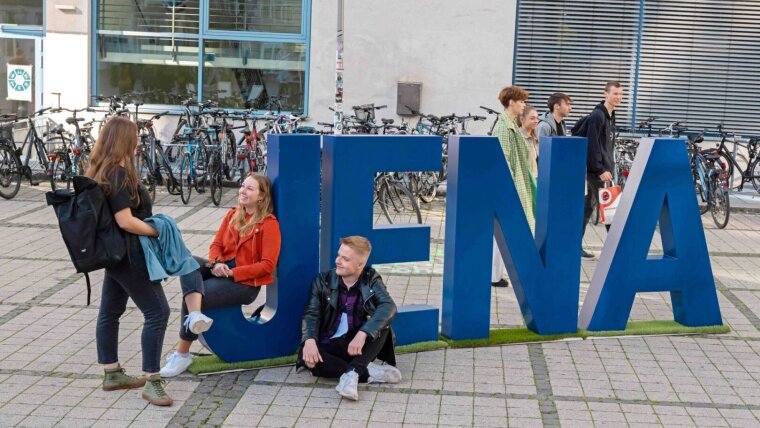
216 292
336 361
592 199
130 280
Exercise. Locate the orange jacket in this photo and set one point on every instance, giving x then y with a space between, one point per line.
255 254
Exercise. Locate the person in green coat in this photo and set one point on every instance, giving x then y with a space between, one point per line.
517 154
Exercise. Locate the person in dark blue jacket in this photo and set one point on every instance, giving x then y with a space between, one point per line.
600 131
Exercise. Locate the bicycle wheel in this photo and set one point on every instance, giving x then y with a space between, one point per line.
228 160
10 173
185 180
261 158
215 183
170 179
201 169
427 186
734 175
755 171
61 172
145 172
719 205
83 162
398 204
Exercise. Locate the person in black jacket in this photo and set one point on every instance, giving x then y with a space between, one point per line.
600 131
346 323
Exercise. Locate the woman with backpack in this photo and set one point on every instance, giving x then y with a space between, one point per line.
112 167
243 256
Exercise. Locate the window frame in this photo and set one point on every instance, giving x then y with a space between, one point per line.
204 34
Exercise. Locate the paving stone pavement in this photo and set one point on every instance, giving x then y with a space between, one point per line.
49 374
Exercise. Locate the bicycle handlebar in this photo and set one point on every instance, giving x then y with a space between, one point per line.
490 111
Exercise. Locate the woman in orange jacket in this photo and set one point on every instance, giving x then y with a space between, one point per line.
242 258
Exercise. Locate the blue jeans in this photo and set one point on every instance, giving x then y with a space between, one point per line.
217 292
130 280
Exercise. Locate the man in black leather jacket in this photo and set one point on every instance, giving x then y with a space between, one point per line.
346 323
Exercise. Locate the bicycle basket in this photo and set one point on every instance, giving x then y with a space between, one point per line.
365 113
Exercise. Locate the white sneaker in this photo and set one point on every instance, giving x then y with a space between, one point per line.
197 323
176 364
385 373
348 385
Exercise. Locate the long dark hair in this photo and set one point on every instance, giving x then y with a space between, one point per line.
116 143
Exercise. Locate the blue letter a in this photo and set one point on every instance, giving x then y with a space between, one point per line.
659 187
481 200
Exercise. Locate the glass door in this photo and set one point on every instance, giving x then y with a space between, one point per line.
21 74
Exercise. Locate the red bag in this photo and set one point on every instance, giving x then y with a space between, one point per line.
609 198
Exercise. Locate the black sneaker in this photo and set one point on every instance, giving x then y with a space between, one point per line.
587 254
500 283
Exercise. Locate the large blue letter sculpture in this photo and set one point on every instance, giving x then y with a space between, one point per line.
294 169
660 188
481 201
349 165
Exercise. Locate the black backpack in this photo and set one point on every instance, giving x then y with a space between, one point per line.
580 128
88 227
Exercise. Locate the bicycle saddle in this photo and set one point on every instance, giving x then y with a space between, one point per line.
387 121
73 120
58 129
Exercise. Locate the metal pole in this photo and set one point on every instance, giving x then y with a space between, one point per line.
338 128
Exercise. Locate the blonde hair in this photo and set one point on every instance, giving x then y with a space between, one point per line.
524 116
263 208
116 143
359 244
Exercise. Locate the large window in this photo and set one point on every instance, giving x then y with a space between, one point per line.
241 53
680 60
21 12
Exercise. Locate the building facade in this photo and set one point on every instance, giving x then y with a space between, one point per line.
679 60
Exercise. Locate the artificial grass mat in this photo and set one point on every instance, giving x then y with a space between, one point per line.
213 364
503 336
500 336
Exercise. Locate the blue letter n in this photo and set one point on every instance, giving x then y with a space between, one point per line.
482 202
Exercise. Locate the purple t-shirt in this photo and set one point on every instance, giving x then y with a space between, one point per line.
351 303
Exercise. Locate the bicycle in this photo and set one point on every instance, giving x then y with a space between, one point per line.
251 149
740 169
494 113
10 165
151 158
710 181
192 166
624 152
32 139
395 201
72 156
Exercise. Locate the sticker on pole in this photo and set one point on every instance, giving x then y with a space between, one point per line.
19 82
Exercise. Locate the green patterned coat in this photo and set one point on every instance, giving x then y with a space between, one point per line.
517 153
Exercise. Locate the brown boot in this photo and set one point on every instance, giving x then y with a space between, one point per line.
117 379
154 392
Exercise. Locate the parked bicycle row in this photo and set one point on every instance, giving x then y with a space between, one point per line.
60 153
202 151
715 171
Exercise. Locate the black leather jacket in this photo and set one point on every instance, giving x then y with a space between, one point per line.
321 310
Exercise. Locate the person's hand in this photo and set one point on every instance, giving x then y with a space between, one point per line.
356 345
606 176
311 354
221 270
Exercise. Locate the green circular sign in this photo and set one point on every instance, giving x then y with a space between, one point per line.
19 80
